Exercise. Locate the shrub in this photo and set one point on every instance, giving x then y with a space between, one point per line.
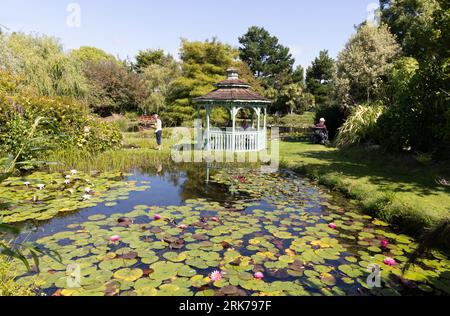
360 126
66 123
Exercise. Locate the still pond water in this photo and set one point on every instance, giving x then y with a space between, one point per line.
193 230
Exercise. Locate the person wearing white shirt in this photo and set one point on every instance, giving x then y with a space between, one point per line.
158 131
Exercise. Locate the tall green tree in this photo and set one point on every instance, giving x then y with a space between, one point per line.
319 78
419 117
204 64
159 79
412 23
267 58
149 57
298 76
87 54
364 64
42 65
294 99
115 88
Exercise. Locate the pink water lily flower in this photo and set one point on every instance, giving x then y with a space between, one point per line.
182 226
390 261
157 217
259 275
384 243
332 226
216 276
115 238
214 219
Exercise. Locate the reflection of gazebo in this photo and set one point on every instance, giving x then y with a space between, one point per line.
235 95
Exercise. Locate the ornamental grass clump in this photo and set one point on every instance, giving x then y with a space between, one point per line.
360 126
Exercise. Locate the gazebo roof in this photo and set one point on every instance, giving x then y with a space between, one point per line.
233 90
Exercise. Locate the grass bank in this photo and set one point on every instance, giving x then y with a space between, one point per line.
395 189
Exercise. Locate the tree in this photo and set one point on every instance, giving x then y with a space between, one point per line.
319 77
204 64
419 117
364 64
298 75
266 57
86 54
42 65
159 79
294 99
115 88
412 23
146 58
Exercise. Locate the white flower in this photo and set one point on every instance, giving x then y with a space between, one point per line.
87 190
73 172
86 197
41 186
26 183
68 177
67 181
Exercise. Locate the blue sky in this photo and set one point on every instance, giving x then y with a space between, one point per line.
123 27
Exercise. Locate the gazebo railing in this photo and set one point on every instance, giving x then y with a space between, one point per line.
244 141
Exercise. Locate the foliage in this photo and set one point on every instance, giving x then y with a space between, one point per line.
8 284
204 64
319 78
159 78
294 99
412 21
267 58
88 54
419 117
149 57
114 88
42 65
360 126
363 65
400 77
66 124
298 76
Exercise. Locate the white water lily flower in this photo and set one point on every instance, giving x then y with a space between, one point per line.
26 183
67 181
86 197
41 186
68 177
73 172
87 190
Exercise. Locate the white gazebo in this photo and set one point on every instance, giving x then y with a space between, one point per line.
234 95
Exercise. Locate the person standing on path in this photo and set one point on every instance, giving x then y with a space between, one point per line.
158 131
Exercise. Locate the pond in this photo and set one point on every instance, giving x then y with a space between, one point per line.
198 230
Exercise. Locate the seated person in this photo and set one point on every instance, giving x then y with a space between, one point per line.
321 133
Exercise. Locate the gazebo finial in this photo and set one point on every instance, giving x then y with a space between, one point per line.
232 73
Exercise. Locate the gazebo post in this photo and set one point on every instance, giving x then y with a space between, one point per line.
265 128
233 130
208 128
258 114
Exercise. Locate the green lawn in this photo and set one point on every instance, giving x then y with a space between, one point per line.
397 189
